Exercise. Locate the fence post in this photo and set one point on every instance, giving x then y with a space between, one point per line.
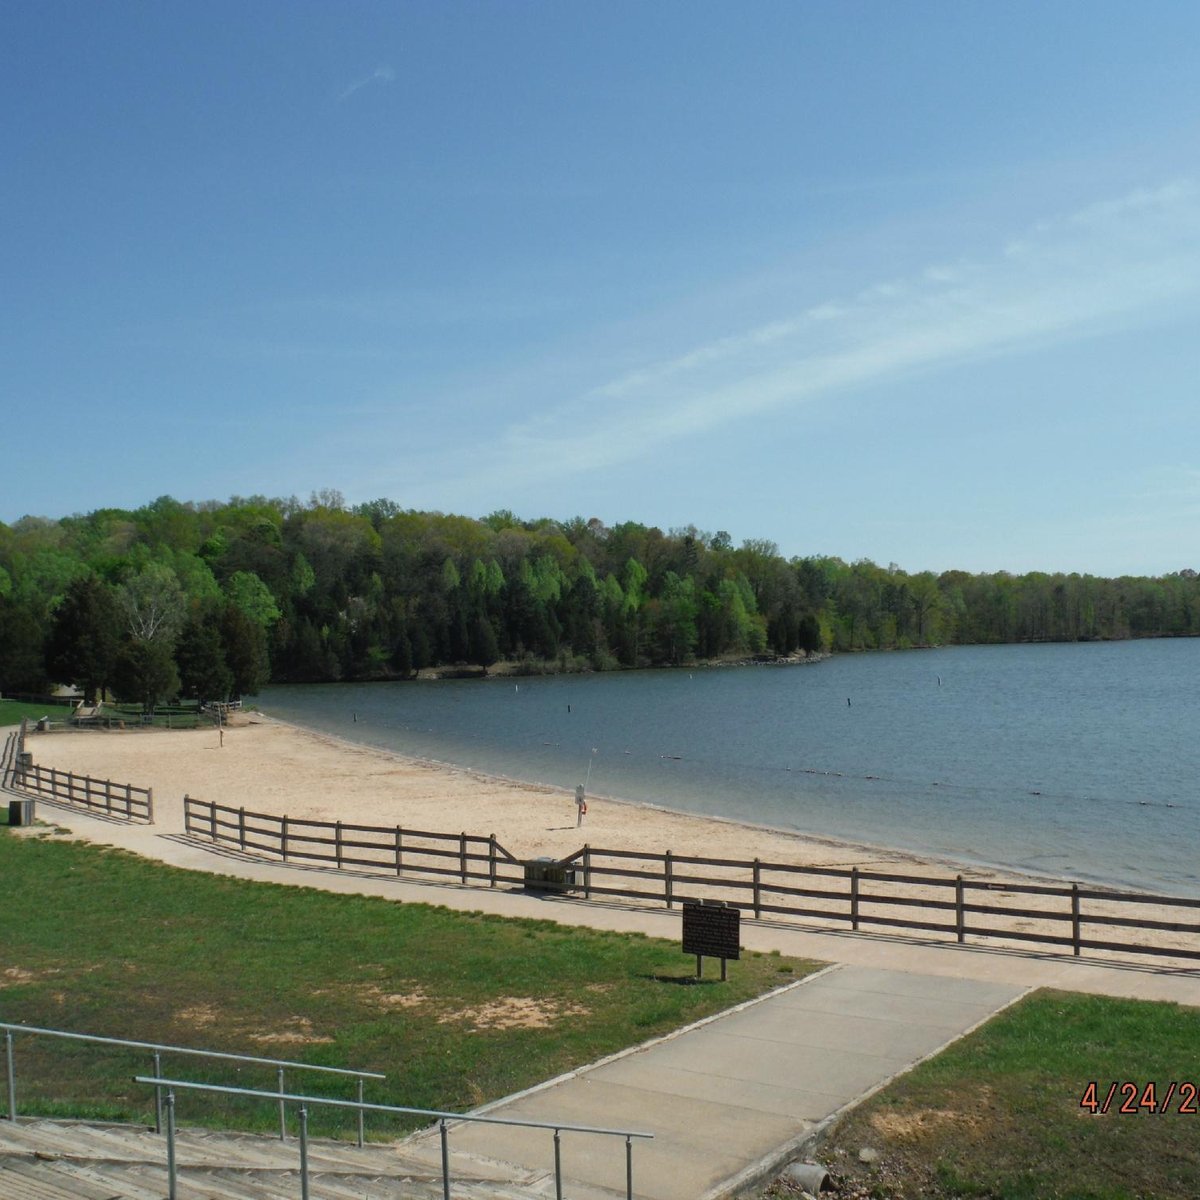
587 872
757 889
491 860
445 1160
960 920
129 800
158 1098
337 840
242 827
1075 919
71 788
12 1076
171 1145
854 898
628 1167
668 882
53 782
283 836
399 850
558 1195
282 1107
303 1152
361 1115
150 804
462 855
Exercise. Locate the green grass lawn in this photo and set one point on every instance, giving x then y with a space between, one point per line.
11 711
456 1008
998 1114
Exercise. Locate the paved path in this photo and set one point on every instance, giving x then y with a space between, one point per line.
727 1099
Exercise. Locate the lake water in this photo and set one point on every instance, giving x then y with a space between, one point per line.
1079 761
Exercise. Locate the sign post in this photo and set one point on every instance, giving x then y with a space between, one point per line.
711 928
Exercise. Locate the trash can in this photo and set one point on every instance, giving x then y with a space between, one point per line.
548 875
20 812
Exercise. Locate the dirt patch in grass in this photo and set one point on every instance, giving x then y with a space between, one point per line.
199 1016
295 1031
914 1125
513 1012
291 1031
16 976
389 1001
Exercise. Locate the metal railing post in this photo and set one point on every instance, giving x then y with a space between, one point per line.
170 1145
12 1075
445 1160
628 1167
557 1166
361 1115
303 1152
282 1109
158 1099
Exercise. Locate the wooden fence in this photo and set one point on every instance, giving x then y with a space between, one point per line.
953 907
121 801
464 857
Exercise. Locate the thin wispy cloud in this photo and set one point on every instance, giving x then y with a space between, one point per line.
379 75
1111 264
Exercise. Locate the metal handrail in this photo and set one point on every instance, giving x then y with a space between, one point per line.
160 1048
441 1117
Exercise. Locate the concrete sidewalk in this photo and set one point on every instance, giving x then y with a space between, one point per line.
729 1099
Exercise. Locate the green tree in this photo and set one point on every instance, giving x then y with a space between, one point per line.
153 604
245 643
251 596
84 637
200 658
145 671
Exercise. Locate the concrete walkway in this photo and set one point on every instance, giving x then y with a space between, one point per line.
729 1099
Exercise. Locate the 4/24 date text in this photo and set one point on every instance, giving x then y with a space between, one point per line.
1129 1098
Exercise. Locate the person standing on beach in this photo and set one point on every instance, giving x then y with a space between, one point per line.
580 805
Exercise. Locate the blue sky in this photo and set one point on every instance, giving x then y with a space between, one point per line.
916 282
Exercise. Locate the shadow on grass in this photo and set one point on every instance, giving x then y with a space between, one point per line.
682 980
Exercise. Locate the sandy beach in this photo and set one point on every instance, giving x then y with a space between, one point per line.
269 766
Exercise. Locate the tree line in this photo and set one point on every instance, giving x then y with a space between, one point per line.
212 600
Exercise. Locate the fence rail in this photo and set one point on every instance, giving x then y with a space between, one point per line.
954 907
443 1120
158 1049
464 857
119 800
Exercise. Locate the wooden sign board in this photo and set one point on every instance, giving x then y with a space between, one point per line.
711 930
